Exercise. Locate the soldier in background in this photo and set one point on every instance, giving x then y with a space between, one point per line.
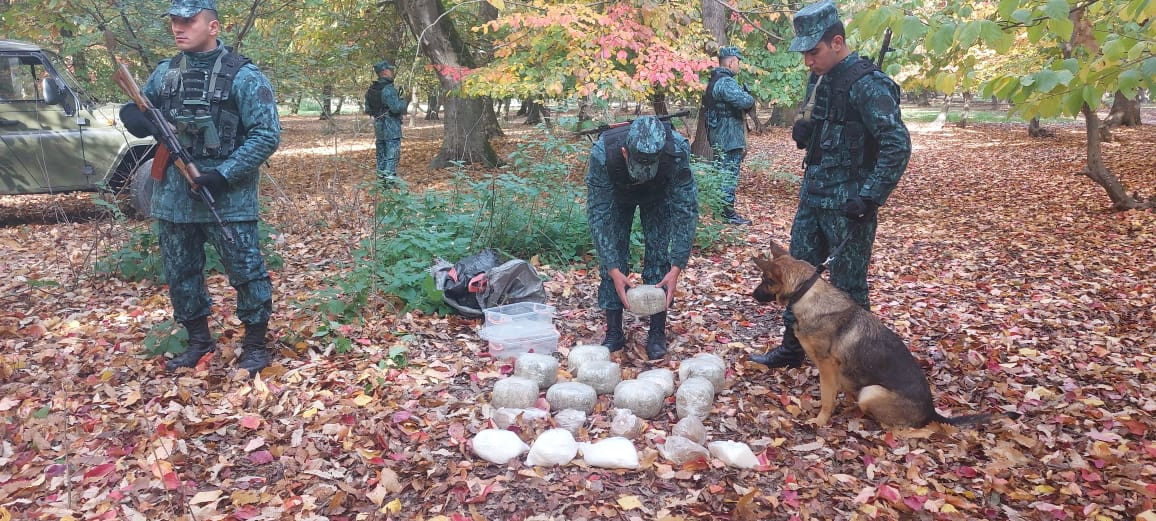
645 165
857 149
383 102
223 109
726 104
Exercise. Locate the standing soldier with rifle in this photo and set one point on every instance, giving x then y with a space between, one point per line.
383 102
726 104
225 119
857 149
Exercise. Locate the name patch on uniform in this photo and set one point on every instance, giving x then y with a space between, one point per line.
265 94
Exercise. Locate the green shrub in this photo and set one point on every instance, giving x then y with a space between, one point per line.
139 257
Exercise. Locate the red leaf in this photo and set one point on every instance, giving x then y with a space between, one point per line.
966 472
99 471
401 416
889 493
172 482
251 422
261 457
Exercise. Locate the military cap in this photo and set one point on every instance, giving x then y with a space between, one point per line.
646 138
382 65
810 24
728 51
190 8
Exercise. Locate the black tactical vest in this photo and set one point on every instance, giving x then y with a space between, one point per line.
199 103
625 188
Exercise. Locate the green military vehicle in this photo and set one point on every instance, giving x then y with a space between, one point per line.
55 138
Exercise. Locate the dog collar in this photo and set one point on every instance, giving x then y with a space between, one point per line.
803 289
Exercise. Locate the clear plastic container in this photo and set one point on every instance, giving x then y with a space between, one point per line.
518 312
516 338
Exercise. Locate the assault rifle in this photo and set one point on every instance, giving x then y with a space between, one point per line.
169 145
886 48
603 128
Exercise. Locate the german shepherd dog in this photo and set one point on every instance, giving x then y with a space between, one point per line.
854 351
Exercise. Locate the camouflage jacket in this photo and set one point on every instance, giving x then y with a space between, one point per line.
388 126
839 148
726 109
680 194
258 137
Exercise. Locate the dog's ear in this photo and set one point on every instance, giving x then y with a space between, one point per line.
777 251
761 262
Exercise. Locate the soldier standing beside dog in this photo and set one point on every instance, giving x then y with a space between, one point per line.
223 108
726 104
383 102
857 149
645 165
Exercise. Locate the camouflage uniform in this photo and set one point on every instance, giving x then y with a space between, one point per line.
726 128
840 165
249 132
667 204
387 126
656 179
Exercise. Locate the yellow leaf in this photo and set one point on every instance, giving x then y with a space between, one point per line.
392 507
947 509
244 497
4 515
309 413
1147 515
629 502
1044 490
498 4
362 400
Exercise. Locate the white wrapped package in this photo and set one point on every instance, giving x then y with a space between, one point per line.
602 375
515 392
646 300
661 376
705 368
541 368
610 453
680 450
625 424
570 419
713 358
643 397
690 428
694 397
584 353
734 454
572 395
553 447
507 416
498 445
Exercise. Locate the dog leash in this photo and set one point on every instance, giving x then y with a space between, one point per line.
806 286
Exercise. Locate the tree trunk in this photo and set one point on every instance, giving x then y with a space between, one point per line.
658 102
413 101
326 99
966 108
1035 130
941 119
295 105
1125 113
700 146
583 110
445 50
533 112
433 104
714 19
1099 173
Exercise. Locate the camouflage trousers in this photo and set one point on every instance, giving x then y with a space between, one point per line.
655 218
728 164
388 156
816 232
183 250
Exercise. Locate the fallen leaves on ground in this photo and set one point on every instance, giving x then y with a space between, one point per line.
1013 285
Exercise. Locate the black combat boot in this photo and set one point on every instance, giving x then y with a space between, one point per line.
200 343
656 337
256 355
789 354
615 339
731 216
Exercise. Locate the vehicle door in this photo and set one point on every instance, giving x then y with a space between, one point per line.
19 128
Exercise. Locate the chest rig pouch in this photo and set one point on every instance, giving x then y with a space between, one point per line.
626 190
199 102
843 141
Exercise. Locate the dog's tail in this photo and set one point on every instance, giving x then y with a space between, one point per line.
971 419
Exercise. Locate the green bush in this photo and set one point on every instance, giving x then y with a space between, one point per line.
139 257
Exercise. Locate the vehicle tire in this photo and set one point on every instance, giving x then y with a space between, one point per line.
142 185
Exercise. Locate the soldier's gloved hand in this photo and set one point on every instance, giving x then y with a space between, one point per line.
136 122
214 181
801 132
859 208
